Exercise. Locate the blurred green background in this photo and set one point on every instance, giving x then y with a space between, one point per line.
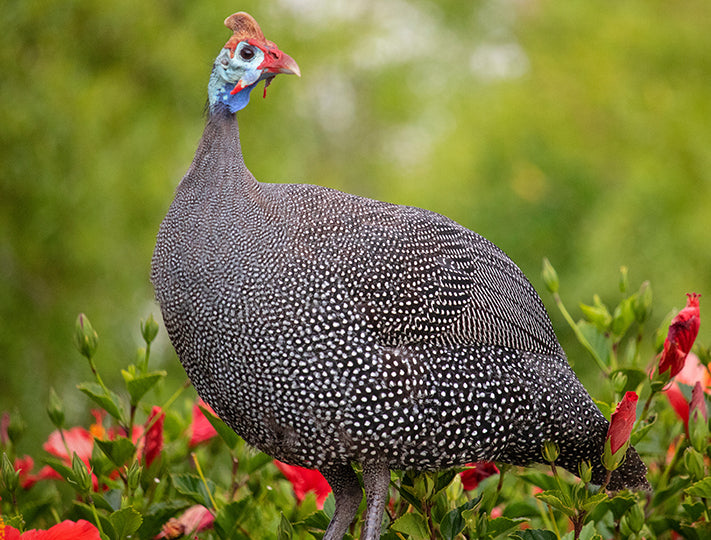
576 130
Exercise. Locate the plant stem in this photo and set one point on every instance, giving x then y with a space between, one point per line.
579 335
204 482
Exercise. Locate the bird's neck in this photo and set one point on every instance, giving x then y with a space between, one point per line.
218 163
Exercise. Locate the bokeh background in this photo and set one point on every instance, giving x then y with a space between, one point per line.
579 131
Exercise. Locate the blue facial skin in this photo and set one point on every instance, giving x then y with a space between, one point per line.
228 71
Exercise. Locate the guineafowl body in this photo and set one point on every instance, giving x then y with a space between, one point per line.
328 329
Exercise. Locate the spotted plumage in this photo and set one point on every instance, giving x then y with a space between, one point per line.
328 329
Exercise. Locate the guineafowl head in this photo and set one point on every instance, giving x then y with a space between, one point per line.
246 59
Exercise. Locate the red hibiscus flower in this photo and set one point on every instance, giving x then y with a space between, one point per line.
25 466
476 473
697 405
304 480
153 445
66 530
681 336
618 434
201 429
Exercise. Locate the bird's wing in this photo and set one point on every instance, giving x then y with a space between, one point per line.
419 276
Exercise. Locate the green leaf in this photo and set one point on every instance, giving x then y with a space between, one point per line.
620 503
223 430
533 534
554 498
600 344
318 521
107 400
444 478
229 518
641 432
139 385
502 525
540 480
453 523
125 522
285 530
605 408
413 525
119 451
255 462
192 487
591 502
694 510
702 488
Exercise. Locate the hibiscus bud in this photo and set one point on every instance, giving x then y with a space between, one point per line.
618 434
149 329
681 336
10 477
133 475
624 279
550 276
585 471
85 337
55 409
698 419
619 381
642 305
550 451
635 518
694 464
80 475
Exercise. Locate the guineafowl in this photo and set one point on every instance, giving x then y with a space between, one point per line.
329 329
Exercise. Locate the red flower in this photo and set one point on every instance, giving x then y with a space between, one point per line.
66 530
622 422
25 466
78 440
194 519
201 429
681 336
476 473
304 480
154 435
697 405
678 402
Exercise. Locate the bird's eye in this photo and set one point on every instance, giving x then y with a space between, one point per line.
247 53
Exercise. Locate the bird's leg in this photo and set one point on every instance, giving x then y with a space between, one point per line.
348 494
376 477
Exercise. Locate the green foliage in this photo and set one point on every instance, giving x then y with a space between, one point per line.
222 489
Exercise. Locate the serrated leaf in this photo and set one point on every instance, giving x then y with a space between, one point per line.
139 385
125 522
554 499
119 451
229 517
285 530
107 400
694 510
413 525
192 487
225 432
620 503
591 502
702 488
533 534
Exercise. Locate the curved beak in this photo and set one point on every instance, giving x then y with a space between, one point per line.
276 61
